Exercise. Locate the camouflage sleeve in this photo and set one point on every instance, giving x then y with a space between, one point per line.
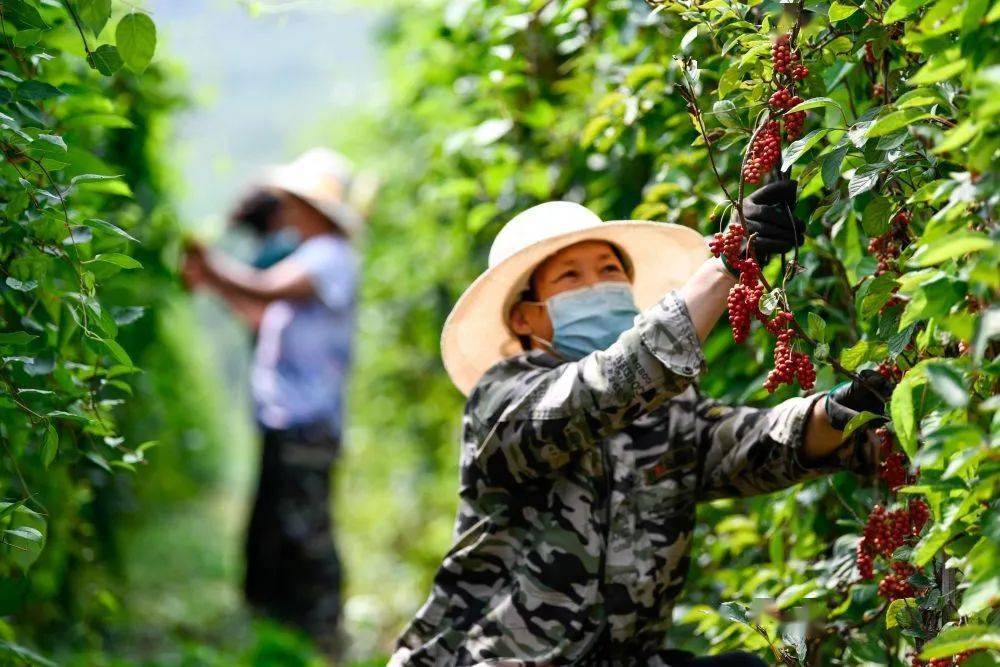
530 423
750 451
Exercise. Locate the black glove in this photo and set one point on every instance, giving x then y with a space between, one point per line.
849 398
769 213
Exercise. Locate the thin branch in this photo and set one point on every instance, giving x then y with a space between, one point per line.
692 103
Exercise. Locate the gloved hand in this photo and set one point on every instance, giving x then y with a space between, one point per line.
849 398
769 215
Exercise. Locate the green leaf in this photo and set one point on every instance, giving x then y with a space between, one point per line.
831 166
841 10
135 38
900 613
28 533
54 139
903 410
95 13
980 595
947 383
23 15
857 421
900 9
16 338
50 445
957 137
865 178
814 103
875 218
951 246
799 147
862 352
938 69
877 295
33 90
734 611
106 59
117 351
118 259
896 120
963 638
25 38
931 543
815 327
110 227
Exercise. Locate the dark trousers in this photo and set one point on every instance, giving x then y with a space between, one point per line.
293 572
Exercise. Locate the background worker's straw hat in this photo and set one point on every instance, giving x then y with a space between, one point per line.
326 180
662 257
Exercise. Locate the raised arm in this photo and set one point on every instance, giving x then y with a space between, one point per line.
530 421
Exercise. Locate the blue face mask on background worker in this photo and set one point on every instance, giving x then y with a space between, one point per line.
590 318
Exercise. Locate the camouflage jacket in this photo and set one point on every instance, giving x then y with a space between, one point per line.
577 500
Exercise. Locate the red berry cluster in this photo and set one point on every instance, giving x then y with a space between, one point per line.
887 531
894 586
764 152
887 247
783 99
884 533
786 61
794 123
744 305
949 661
892 462
869 53
789 365
890 370
878 90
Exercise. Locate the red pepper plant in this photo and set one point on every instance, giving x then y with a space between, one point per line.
897 184
885 113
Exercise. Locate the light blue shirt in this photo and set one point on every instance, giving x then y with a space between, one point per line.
304 346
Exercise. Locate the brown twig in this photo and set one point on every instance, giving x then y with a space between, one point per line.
692 103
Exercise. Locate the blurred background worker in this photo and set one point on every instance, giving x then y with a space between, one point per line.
299 295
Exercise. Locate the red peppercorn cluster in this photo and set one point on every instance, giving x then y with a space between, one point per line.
789 365
878 90
869 53
948 661
890 370
743 303
886 531
894 586
794 123
781 54
764 152
920 513
784 99
892 467
887 247
786 60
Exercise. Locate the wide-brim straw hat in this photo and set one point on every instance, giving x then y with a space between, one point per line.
661 257
327 181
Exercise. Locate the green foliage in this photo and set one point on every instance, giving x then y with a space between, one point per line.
83 271
500 105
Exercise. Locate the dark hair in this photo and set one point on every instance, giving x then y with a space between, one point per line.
256 210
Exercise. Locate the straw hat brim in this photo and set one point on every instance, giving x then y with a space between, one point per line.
476 336
338 213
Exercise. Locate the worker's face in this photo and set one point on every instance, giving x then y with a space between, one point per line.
579 265
294 213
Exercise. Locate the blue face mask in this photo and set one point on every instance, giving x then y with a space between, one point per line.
591 318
